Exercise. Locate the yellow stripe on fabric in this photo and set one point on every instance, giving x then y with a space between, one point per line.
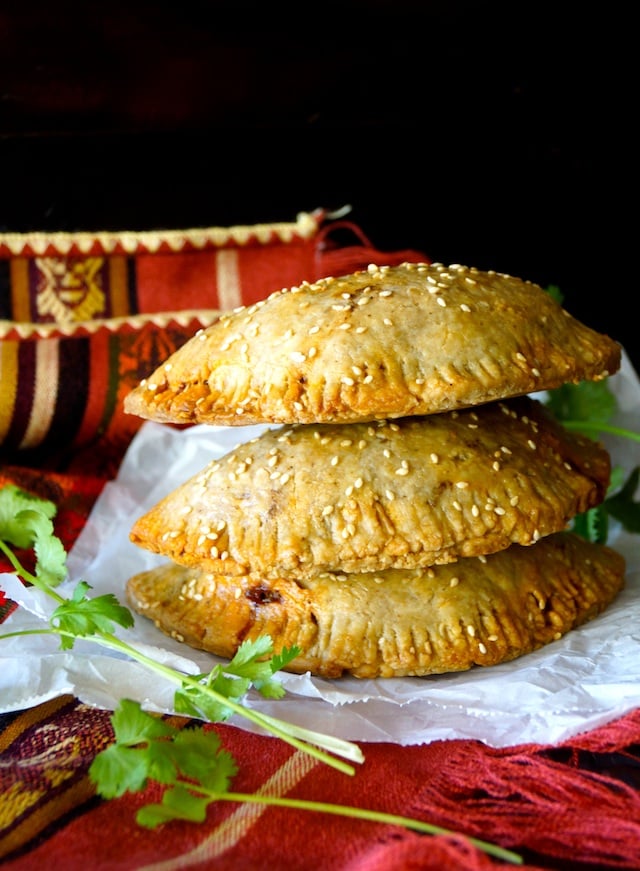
229 833
45 393
228 279
118 286
48 813
8 385
20 294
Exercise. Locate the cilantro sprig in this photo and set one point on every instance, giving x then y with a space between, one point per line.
588 408
217 694
190 763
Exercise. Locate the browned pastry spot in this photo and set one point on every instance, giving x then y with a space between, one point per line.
389 494
478 612
385 342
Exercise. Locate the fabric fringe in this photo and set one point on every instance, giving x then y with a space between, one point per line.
334 258
524 795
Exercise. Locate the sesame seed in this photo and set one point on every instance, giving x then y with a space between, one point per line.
454 582
482 648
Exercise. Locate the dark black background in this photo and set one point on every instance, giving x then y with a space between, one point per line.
499 135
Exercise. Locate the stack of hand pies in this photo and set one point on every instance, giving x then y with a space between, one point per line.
406 510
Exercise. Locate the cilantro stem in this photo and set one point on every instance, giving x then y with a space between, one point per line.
286 731
599 427
27 576
361 814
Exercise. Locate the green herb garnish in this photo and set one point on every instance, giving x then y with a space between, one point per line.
587 408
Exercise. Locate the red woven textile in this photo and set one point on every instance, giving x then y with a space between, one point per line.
544 802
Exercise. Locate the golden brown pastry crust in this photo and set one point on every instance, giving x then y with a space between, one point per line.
480 611
362 497
385 342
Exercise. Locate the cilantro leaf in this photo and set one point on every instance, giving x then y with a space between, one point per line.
592 524
587 401
13 501
146 748
249 667
178 803
622 504
81 616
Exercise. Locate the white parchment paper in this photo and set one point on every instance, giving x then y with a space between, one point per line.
587 678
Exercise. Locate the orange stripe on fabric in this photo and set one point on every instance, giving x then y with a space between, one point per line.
8 385
45 393
235 827
118 286
20 293
228 279
97 387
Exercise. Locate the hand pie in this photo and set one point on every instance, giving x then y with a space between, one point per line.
386 342
405 494
478 612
